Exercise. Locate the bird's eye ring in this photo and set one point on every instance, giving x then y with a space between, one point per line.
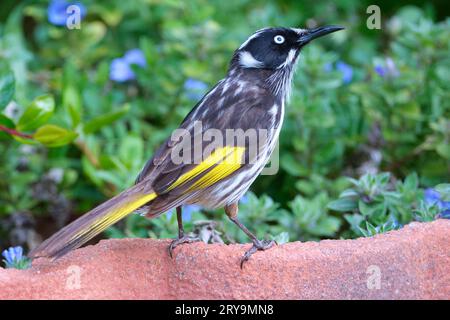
279 39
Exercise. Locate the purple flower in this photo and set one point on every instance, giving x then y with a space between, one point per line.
195 89
346 70
120 69
57 11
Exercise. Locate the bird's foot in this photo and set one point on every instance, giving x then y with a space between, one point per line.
181 240
257 245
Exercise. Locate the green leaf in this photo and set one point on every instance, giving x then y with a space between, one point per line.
383 178
131 150
373 212
411 181
370 230
54 136
7 85
98 122
72 102
355 221
37 113
326 226
349 193
281 238
343 205
444 190
443 149
6 122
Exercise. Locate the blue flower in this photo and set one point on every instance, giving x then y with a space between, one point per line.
14 258
387 69
346 70
394 223
328 67
380 70
187 212
135 56
57 11
195 89
433 197
444 215
244 199
169 214
120 69
12 254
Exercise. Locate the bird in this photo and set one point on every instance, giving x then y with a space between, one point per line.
218 150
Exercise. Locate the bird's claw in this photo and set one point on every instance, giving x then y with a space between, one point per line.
181 240
257 245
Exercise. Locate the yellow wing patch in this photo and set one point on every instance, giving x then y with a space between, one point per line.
226 160
222 162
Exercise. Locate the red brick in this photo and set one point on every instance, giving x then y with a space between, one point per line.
414 263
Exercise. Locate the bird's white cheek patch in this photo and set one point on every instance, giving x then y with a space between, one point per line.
290 59
248 61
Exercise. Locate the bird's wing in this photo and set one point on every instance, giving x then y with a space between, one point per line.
159 160
220 109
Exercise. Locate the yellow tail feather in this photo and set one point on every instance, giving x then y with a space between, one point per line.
92 223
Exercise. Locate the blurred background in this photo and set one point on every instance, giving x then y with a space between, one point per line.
364 148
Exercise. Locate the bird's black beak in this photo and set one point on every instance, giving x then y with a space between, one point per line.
315 33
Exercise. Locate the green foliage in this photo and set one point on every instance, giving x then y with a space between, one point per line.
363 101
376 204
53 136
444 190
37 113
6 85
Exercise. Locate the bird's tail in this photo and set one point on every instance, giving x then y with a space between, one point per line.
92 223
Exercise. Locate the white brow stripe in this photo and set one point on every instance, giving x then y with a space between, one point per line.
298 30
253 36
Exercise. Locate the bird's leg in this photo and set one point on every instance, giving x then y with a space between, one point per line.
182 238
231 211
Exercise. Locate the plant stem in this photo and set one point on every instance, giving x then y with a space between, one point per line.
15 132
110 189
88 153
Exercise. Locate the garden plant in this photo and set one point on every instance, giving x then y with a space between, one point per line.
364 149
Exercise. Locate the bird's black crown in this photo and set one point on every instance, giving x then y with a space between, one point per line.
274 48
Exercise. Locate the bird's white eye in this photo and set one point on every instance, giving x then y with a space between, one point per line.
279 39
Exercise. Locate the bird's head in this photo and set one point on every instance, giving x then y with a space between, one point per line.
275 48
